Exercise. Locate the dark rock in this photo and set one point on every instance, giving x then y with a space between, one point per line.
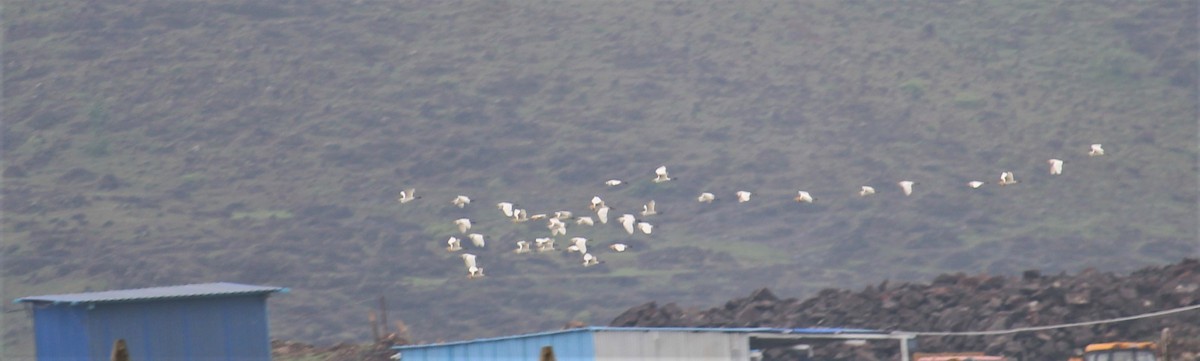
969 303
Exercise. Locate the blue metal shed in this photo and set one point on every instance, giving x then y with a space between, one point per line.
209 321
638 343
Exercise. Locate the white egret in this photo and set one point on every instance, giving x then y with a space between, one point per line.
627 221
804 197
461 201
660 175
463 224
1055 166
476 239
407 195
648 209
743 196
454 243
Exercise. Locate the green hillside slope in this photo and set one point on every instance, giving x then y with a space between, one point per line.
151 143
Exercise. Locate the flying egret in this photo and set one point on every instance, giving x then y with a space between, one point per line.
866 191
520 215
461 201
602 214
544 244
648 209
1097 149
472 270
506 207
596 203
522 247
618 247
974 184
589 260
804 197
463 224
557 228
660 174
563 214
627 221
1007 178
454 243
645 227
587 221
407 195
476 239
907 187
580 244
537 216
613 182
1055 166
706 197
743 196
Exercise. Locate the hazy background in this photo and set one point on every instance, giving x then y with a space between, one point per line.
151 143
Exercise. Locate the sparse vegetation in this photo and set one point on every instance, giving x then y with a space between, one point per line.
266 141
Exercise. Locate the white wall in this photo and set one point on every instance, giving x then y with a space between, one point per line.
671 346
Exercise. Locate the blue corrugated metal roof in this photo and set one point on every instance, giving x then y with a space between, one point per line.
153 293
809 331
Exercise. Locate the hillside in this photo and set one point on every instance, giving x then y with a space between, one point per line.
153 143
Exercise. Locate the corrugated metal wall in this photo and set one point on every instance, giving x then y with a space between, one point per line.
568 346
671 345
215 328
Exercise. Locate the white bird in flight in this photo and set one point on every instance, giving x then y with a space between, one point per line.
544 244
706 197
1007 178
1097 149
1055 166
580 244
974 184
407 195
602 214
556 227
596 203
618 247
563 215
505 207
454 243
463 224
520 215
743 196
472 270
587 221
804 197
589 260
613 182
627 221
907 187
660 174
461 201
866 191
645 227
648 209
476 239
522 247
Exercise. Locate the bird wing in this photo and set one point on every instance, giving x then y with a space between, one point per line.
603 214
661 171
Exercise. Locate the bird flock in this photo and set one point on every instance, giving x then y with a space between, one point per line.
557 221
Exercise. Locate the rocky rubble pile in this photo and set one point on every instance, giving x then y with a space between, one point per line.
958 302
